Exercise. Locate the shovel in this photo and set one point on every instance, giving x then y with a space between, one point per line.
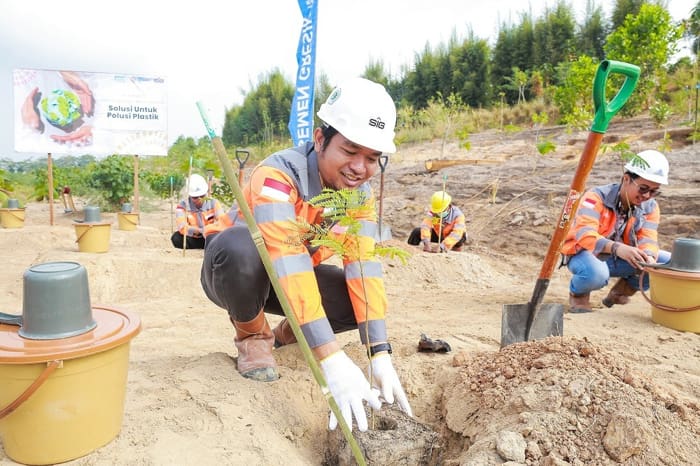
533 320
241 163
383 232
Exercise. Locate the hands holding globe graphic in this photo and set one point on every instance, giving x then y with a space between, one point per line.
64 109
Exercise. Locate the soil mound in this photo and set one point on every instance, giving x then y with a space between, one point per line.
563 401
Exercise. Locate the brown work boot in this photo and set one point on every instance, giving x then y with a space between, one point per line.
254 341
283 334
579 303
619 293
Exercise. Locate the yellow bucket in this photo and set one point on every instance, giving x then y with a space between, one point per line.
674 298
93 237
12 218
61 399
128 220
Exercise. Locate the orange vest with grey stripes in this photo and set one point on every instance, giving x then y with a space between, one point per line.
197 217
594 224
278 193
454 225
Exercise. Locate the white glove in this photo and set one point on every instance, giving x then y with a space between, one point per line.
384 377
349 387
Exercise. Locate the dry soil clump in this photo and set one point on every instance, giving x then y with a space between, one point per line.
562 401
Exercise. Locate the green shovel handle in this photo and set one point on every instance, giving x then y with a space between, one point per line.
604 111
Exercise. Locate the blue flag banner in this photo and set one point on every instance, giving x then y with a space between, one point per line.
301 117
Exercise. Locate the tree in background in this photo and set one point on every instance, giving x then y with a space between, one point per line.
112 180
263 115
555 36
623 8
592 33
649 40
573 93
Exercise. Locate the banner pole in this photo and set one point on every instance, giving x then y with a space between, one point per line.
49 176
136 182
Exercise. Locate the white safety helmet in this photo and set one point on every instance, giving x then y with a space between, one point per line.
197 186
362 111
654 169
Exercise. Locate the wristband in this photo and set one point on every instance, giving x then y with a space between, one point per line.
613 249
379 348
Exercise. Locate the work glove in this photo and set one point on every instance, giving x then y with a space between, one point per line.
386 380
349 387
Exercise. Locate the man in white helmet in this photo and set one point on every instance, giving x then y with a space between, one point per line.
195 213
358 118
614 233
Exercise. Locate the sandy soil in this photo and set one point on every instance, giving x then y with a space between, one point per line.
617 388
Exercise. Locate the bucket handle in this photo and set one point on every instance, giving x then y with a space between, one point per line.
662 306
128 219
83 233
50 367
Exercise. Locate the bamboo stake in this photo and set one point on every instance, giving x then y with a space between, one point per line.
172 221
274 280
444 184
187 203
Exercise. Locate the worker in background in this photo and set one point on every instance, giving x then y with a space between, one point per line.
358 118
443 224
193 214
614 233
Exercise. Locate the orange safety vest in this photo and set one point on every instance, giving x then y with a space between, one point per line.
594 224
454 226
197 217
278 193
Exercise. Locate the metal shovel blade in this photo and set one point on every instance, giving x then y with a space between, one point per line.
548 321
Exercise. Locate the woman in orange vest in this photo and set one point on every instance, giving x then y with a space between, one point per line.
359 118
614 233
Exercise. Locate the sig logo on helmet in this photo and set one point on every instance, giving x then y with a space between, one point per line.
377 123
357 108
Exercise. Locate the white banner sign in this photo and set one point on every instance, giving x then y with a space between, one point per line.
81 113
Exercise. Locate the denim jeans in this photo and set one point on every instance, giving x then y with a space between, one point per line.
591 273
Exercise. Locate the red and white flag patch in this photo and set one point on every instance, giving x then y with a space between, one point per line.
588 203
276 190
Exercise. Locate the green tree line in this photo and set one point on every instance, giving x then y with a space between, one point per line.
546 58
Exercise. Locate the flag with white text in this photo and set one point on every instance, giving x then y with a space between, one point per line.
301 117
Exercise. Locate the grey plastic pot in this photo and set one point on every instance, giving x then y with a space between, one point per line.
56 302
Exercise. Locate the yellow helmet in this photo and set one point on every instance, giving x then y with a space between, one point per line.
439 202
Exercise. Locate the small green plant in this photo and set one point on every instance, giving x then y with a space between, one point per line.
621 150
463 136
165 184
223 192
660 112
539 119
342 208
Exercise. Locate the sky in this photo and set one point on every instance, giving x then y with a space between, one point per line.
215 51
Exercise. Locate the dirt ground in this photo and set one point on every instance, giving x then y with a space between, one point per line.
617 388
